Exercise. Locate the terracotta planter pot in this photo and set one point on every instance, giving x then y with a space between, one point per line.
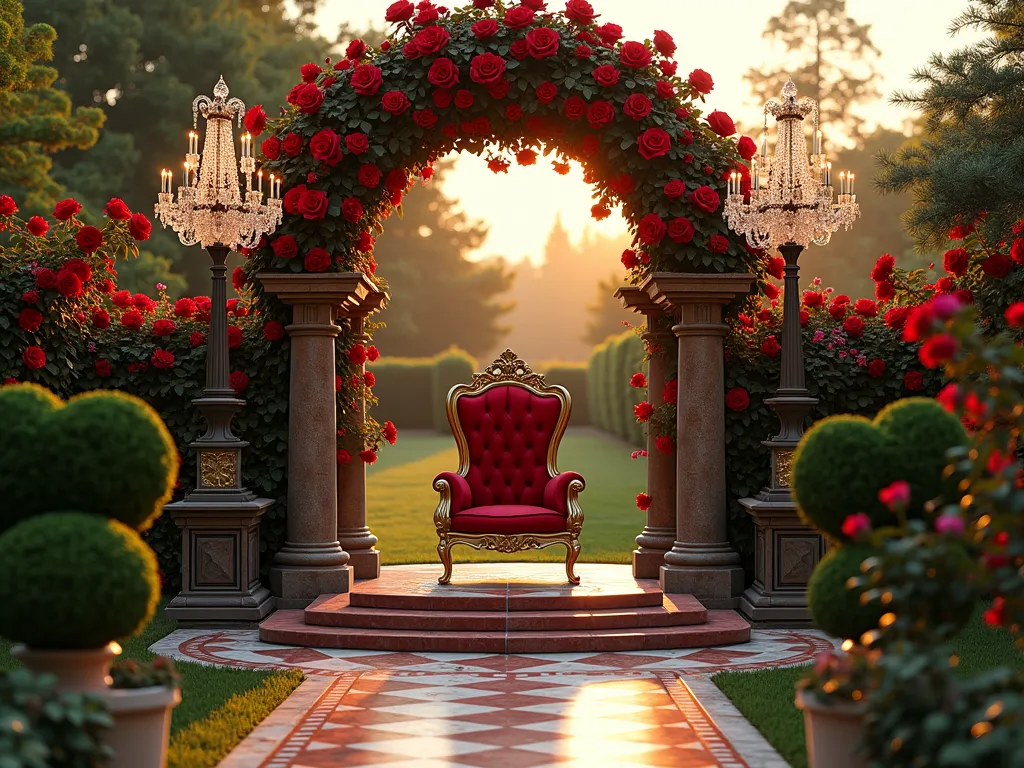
142 725
832 731
82 671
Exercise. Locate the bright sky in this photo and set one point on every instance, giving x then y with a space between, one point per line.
722 37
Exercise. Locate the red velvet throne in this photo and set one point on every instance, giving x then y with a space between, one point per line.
508 494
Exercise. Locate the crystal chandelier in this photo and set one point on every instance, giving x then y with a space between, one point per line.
796 205
210 208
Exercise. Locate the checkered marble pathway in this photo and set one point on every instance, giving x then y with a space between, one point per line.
365 708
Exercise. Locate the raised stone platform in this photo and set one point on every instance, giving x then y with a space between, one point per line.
505 608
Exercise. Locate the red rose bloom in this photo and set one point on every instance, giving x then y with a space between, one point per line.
372 354
366 80
704 199
256 119
746 147
139 226
357 143
443 73
309 72
638 381
547 91
284 247
777 268
424 118
196 339
701 81
116 209
234 337
132 319
718 244
996 266
675 189
599 114
368 456
770 347
664 43
65 209
770 290
606 75
542 42
430 40
681 230
163 327
369 176
89 239
357 354
308 98
956 261
865 308
519 50
326 145
671 392
273 331
317 260
580 11
838 309
960 231
854 326
122 299
238 279
356 50
487 69
884 291
637 106
395 102
389 432
654 143
937 350
351 209
45 278
30 319
665 89
7 206
876 368
737 399
102 368
485 28
635 55
629 259
896 317
143 303
575 107
397 181
100 318
401 11
1015 314
69 284
518 17
664 444
238 380
721 123
651 229
33 357
913 381
609 34
162 359
643 502
313 204
37 225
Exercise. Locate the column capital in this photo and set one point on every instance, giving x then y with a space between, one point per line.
350 293
677 290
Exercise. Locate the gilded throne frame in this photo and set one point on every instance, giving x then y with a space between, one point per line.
508 370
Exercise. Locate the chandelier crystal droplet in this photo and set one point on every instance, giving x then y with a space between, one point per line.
795 205
211 207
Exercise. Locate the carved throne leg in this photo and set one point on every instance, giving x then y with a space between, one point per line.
444 551
572 552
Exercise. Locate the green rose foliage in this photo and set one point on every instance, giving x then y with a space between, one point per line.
835 608
75 580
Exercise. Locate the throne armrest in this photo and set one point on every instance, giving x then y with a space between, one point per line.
560 491
457 489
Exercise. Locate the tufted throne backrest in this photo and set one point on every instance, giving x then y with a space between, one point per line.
508 424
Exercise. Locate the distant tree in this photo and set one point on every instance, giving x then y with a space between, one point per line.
605 317
833 62
971 159
439 297
142 62
36 119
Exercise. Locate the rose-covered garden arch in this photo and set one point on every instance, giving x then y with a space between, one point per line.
510 82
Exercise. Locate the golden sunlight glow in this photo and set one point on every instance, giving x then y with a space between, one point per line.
847 645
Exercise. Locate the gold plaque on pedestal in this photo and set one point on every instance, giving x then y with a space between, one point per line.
218 469
783 468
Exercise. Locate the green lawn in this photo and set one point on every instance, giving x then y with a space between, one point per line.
765 696
219 706
401 500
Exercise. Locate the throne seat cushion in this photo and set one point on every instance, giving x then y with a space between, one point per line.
508 519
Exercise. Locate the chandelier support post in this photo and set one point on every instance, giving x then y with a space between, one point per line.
219 518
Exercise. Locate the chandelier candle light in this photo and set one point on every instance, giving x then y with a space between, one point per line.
791 204
219 518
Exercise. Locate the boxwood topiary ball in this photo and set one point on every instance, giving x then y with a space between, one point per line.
114 457
921 432
75 580
839 467
834 608
23 409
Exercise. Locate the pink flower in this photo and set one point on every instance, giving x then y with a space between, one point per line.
896 496
952 525
856 526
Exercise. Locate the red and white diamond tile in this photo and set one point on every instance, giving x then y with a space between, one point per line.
499 720
242 648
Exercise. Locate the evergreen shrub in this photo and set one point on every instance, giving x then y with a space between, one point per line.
448 369
574 377
835 608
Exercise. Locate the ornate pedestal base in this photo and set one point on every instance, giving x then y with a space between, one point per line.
786 551
220 563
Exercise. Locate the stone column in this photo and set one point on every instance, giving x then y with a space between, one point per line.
353 533
312 561
659 534
701 562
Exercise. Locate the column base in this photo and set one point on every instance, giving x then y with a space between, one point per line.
647 563
715 586
298 586
221 611
365 563
691 554
316 555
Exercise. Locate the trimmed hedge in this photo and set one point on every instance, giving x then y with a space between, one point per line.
572 376
413 391
609 370
450 368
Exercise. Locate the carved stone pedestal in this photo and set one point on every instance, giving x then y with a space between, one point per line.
701 561
312 561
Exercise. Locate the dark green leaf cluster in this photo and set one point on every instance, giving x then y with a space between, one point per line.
834 606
